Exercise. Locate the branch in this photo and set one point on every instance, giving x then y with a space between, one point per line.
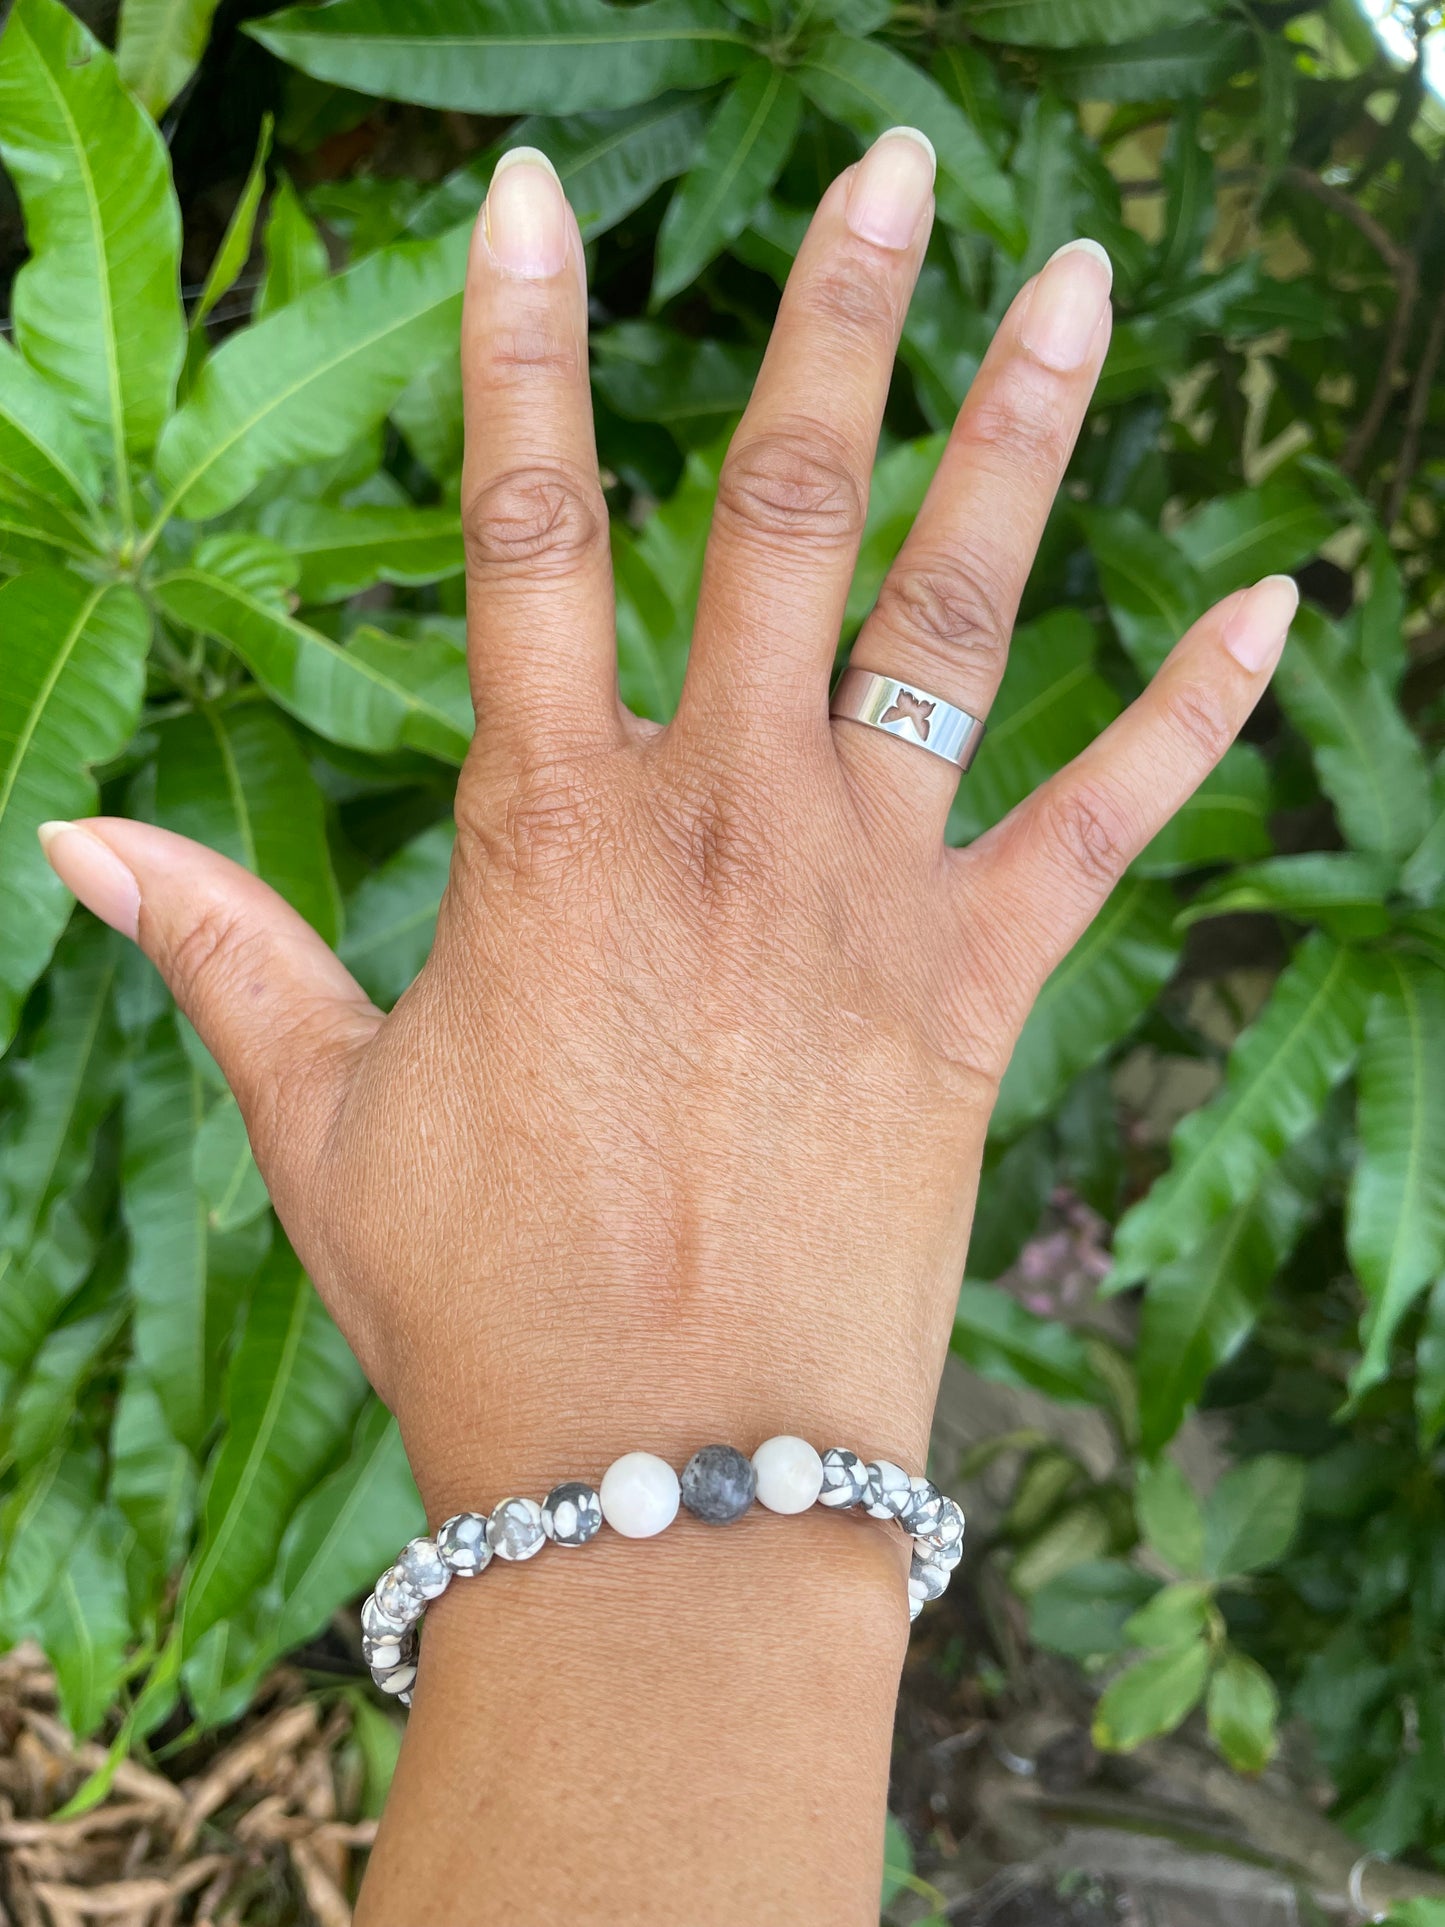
1417 415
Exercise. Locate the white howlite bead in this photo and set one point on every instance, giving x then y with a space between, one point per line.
640 1494
890 1490
398 1681
422 1563
925 1580
924 1509
790 1474
383 1654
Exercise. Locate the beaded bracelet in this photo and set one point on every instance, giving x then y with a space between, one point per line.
639 1497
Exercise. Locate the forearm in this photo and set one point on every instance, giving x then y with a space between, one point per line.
692 1728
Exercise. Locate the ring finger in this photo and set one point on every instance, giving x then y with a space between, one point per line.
947 608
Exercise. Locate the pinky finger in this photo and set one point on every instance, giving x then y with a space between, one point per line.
1037 879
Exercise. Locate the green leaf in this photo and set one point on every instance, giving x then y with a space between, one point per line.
900 481
45 1406
74 674
1169 1515
159 47
649 373
428 412
897 1860
346 1531
1175 1616
235 779
1082 1613
43 1516
304 383
1430 1369
998 1337
1339 888
1092 1000
225 1171
1243 1709
747 142
1367 757
152 1475
84 1625
1154 593
1252 1515
43 449
1280 1072
1395 1227
391 915
509 56
293 250
658 574
1177 63
870 88
344 550
1151 1697
235 249
292 1393
1416 1913
1235 539
1225 820
374 693
1074 23
97 306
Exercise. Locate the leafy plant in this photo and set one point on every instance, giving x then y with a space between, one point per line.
232 603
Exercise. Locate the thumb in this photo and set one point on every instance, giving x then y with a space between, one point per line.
273 1004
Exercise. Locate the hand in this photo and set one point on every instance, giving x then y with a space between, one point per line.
676 1136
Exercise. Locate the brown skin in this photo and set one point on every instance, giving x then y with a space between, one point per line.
676 1138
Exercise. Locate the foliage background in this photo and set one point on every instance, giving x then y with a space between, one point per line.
233 605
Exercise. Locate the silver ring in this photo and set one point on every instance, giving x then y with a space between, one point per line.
910 714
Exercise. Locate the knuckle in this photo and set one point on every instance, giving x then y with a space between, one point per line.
543 518
949 610
1197 718
532 348
212 955
851 301
1022 423
1091 832
533 827
790 482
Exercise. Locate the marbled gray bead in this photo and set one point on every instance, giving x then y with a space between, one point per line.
462 1543
395 1679
398 1598
376 1623
845 1478
924 1509
889 1490
946 1557
423 1565
572 1513
915 1606
514 1530
718 1484
949 1530
388 1650
925 1580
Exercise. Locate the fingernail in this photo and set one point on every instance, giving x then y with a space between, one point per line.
1255 631
890 189
1068 302
94 874
525 218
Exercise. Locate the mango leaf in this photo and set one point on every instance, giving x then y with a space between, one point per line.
428 413
84 1624
1083 1612
897 1860
235 779
1154 594
896 493
1269 530
1073 23
152 1475
293 250
304 383
1339 888
998 1337
1169 1515
609 163
870 88
1176 63
1243 1711
159 47
225 1171
97 306
1225 819
44 451
1092 1000
1151 1697
292 1394
1395 1225
345 1532
184 1281
1430 1369
1175 1616
649 373
374 693
45 1405
746 144
658 573
235 249
42 1517
1368 759
344 550
391 915
1252 1515
74 673
509 56
1280 1072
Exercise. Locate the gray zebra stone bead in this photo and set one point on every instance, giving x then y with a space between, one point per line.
845 1478
572 1513
945 1557
424 1567
718 1484
889 1490
395 1679
391 1649
398 1598
925 1508
515 1530
377 1624
462 1543
949 1530
925 1580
